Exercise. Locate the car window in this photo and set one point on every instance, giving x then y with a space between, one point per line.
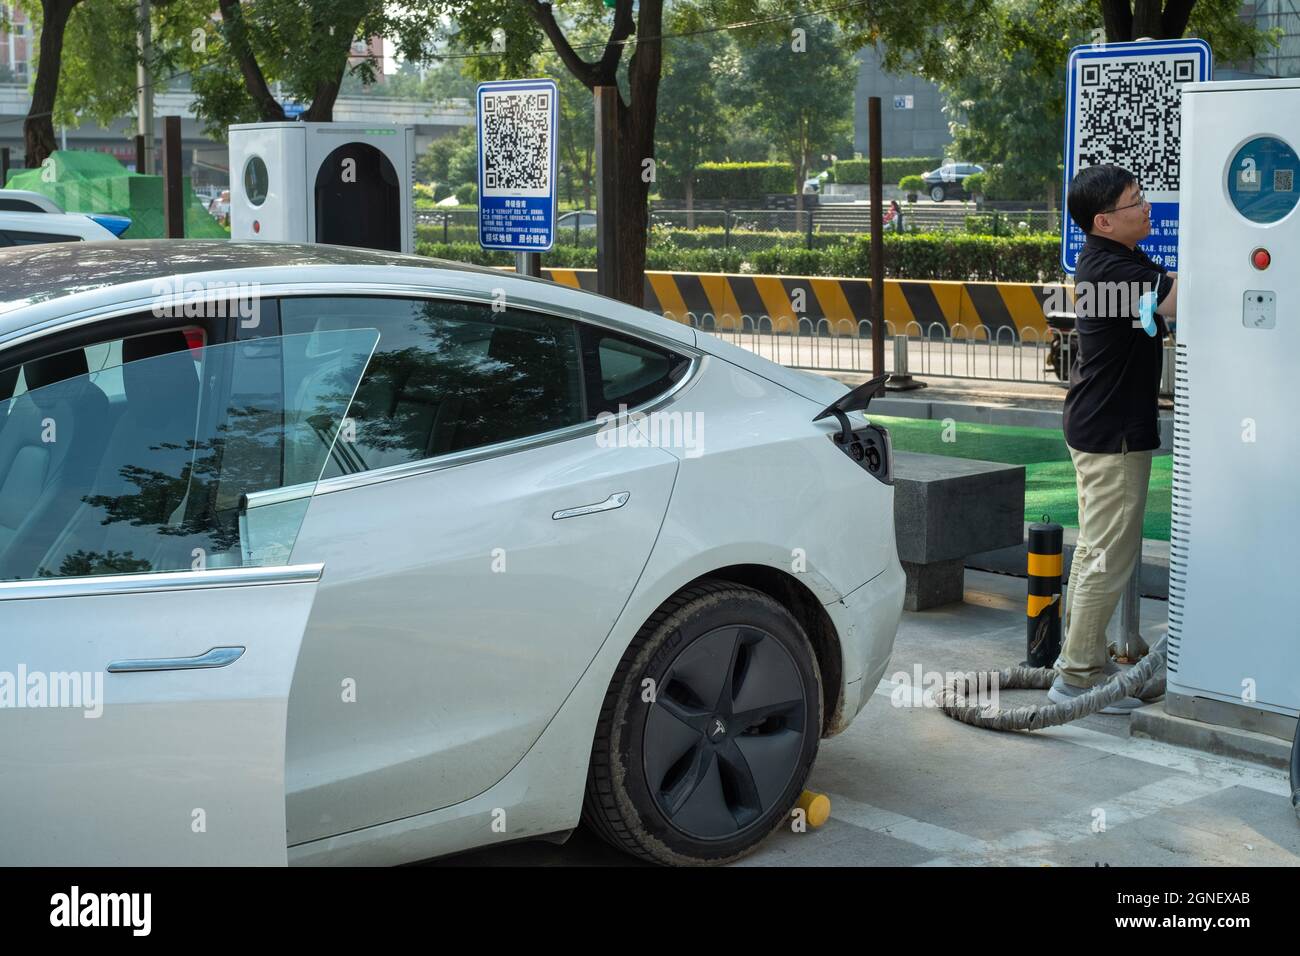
446 376
10 204
185 470
21 237
630 371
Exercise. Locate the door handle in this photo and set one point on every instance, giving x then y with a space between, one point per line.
617 500
217 657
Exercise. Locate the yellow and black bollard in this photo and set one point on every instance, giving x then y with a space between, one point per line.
1043 606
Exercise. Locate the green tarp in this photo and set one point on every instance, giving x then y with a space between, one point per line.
97 182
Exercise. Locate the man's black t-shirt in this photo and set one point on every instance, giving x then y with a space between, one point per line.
1114 389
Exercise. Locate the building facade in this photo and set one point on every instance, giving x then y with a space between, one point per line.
912 118
15 44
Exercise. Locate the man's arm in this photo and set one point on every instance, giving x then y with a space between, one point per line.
1168 306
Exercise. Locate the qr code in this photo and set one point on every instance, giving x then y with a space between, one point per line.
1283 180
1127 114
517 141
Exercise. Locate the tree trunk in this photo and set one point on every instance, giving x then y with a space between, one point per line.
1127 20
636 128
636 143
38 127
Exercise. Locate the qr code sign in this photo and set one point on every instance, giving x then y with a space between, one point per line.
517 142
1126 112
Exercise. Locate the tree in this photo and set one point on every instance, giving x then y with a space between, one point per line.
38 127
100 56
304 48
1007 92
450 161
799 91
690 110
511 34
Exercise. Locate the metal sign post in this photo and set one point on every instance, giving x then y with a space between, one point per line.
1123 103
518 124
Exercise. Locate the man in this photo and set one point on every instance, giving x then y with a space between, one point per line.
1110 418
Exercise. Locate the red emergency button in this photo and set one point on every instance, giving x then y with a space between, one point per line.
1260 258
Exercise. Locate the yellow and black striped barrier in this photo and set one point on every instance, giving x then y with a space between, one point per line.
815 304
1043 606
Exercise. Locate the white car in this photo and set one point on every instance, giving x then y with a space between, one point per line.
24 200
38 228
315 555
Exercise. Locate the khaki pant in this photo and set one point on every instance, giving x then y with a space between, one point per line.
1112 499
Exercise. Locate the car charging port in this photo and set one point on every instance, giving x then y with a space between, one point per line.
869 447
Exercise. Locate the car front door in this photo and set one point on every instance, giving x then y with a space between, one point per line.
150 616
482 533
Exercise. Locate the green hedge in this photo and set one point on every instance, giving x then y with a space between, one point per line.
742 180
893 169
967 258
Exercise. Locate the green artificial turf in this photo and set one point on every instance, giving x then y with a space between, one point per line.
1049 473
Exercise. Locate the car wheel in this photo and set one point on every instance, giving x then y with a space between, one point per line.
938 194
708 730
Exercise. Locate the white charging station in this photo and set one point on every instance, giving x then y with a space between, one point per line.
345 184
1234 630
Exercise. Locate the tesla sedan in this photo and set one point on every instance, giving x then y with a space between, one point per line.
321 555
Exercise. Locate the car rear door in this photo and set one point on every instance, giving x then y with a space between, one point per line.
150 615
483 527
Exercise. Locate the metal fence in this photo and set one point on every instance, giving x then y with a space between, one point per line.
973 352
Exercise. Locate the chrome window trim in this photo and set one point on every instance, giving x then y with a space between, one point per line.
277 496
106 584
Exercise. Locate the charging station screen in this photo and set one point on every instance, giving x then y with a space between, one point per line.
1262 179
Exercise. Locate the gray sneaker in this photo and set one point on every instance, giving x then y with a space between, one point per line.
1063 693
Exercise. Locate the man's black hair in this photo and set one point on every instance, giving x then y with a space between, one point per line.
1094 190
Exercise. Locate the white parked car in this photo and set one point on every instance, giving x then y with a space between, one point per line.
329 555
38 228
24 200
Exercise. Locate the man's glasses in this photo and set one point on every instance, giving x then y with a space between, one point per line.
1141 201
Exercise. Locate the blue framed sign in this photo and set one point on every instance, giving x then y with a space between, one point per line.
518 122
1123 106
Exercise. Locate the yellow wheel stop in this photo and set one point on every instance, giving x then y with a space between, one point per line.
816 807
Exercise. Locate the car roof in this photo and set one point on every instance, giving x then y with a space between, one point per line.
43 285
45 203
40 273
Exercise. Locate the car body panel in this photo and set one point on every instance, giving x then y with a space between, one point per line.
463 628
181 766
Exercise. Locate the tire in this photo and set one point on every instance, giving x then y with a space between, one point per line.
674 778
938 193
